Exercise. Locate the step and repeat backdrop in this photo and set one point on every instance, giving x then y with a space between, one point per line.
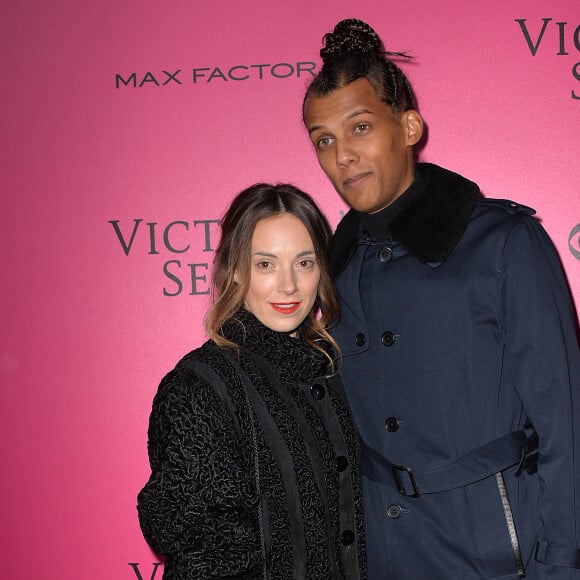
127 128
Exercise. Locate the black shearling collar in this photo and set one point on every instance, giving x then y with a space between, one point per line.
429 227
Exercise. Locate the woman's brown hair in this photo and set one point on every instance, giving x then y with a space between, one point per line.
232 259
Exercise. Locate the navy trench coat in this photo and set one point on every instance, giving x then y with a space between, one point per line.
458 334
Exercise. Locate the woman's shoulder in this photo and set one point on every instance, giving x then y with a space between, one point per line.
206 366
192 370
208 353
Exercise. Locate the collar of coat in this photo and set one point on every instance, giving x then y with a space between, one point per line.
429 228
292 357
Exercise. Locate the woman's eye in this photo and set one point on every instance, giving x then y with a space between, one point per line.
263 265
306 263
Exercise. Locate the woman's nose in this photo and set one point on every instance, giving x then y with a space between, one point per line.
287 282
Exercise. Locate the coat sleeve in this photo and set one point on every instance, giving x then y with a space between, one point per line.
544 361
200 501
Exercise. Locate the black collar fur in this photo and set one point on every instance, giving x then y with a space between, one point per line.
429 228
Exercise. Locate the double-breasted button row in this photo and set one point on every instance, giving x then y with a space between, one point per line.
385 254
388 338
317 391
347 537
394 511
392 424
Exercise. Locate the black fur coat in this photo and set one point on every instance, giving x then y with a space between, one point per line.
254 464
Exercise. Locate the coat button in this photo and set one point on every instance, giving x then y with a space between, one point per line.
388 338
317 391
360 339
392 424
347 537
394 511
341 463
385 255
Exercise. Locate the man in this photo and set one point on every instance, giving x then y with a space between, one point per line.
460 354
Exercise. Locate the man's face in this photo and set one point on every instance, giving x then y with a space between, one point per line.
364 149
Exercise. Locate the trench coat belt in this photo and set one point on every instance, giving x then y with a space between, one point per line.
473 466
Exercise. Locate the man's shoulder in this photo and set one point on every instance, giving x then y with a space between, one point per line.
503 206
344 241
348 225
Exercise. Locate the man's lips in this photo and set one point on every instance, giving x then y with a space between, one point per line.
285 307
355 180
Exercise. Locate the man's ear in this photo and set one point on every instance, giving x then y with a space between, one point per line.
413 123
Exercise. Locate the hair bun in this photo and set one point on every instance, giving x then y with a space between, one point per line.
351 36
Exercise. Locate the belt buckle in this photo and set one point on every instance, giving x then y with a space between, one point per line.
398 470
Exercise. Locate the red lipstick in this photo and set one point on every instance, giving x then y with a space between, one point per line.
285 307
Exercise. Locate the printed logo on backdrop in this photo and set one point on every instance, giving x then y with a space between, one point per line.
145 576
574 241
535 32
213 74
196 237
173 239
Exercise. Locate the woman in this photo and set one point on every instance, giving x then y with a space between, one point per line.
253 452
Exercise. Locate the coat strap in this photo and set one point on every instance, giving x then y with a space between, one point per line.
547 553
212 378
473 466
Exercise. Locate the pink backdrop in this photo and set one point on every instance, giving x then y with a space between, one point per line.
90 326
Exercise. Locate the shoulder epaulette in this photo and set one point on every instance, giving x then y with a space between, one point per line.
508 205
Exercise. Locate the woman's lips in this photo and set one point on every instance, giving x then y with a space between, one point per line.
285 307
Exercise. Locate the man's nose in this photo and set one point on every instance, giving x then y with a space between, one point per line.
345 154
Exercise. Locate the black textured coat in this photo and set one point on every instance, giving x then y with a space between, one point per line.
254 464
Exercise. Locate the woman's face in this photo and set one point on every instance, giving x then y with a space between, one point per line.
284 273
